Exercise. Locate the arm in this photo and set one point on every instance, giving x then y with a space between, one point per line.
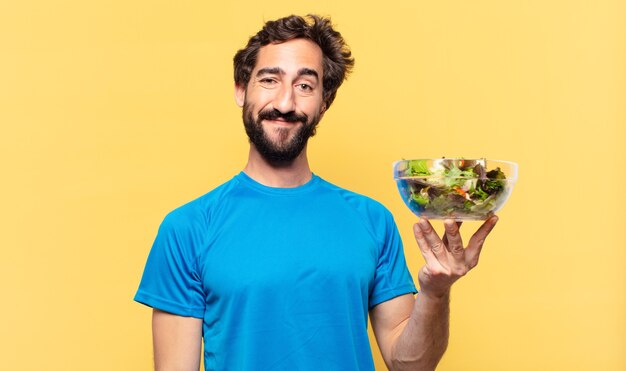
177 342
413 334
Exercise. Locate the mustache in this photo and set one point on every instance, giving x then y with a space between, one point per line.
273 114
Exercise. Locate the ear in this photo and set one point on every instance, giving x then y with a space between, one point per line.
240 94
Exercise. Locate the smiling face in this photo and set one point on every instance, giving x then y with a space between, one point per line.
283 100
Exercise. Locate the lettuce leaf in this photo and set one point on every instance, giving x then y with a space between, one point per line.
417 168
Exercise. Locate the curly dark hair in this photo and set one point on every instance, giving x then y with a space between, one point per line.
337 59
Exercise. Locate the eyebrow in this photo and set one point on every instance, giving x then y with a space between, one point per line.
308 72
269 71
278 71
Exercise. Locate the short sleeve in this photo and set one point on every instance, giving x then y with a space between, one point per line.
392 277
170 281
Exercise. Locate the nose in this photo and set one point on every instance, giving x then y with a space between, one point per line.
284 100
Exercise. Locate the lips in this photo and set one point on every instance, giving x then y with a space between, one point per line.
283 118
282 122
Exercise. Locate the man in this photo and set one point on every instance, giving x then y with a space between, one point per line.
278 269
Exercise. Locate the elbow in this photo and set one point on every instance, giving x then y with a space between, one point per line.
427 360
400 365
410 365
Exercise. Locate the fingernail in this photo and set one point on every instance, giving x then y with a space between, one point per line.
494 220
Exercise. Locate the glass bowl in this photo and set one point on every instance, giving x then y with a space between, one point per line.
455 188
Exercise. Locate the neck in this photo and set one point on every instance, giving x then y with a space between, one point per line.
288 175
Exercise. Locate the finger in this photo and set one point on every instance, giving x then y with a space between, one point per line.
428 255
476 242
434 242
445 236
453 240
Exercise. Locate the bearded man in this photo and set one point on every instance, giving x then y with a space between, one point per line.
278 269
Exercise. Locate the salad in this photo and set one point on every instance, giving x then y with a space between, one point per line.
451 188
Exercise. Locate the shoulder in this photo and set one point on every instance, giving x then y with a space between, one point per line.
185 229
197 213
361 203
377 218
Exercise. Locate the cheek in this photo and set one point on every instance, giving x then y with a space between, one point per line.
248 110
261 96
313 109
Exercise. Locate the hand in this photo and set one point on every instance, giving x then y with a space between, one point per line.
446 259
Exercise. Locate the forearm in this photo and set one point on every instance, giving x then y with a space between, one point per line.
424 339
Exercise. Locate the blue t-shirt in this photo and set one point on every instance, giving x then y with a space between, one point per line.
283 278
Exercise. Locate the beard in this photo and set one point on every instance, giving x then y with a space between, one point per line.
284 150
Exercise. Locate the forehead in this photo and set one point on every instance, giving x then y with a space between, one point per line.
291 56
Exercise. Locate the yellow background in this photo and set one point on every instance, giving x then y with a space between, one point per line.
112 113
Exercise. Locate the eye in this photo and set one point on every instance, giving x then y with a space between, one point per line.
305 87
267 81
